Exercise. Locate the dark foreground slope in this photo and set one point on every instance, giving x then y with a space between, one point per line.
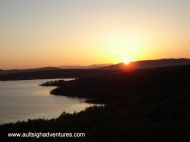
119 85
147 105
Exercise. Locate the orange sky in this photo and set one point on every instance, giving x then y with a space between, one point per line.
83 32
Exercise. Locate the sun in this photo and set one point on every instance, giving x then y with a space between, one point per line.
126 61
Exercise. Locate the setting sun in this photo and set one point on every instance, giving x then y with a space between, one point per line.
110 70
126 61
85 32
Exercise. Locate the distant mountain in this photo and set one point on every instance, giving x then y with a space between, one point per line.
87 71
95 66
5 72
150 64
13 71
135 65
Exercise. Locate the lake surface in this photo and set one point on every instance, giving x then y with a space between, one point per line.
22 100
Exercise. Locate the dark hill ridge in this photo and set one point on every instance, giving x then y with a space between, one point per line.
95 66
152 64
104 88
14 71
53 72
149 105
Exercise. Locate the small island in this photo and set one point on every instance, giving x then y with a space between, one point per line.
53 83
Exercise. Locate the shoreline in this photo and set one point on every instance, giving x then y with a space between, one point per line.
148 105
29 112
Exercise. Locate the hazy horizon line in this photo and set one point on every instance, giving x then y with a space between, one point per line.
95 64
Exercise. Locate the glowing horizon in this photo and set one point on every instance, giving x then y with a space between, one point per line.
84 32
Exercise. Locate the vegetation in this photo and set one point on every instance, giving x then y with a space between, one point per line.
151 105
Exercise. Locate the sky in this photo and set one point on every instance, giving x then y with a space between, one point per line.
39 33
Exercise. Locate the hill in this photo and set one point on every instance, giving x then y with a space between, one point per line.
151 64
94 70
14 71
95 66
149 105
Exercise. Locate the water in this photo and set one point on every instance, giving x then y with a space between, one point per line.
22 100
